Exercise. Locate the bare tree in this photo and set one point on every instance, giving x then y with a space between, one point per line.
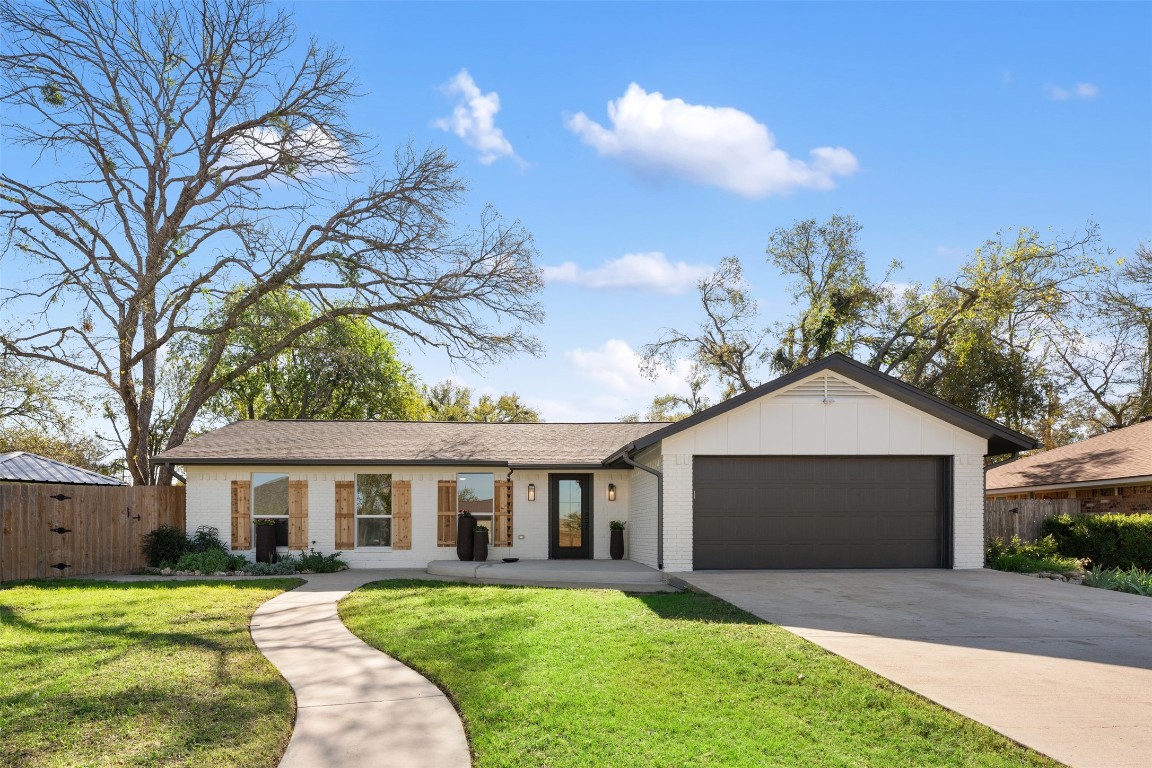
727 343
198 157
1108 352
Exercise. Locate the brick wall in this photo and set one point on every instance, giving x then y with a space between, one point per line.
678 513
968 511
640 536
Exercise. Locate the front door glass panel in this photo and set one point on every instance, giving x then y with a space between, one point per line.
570 505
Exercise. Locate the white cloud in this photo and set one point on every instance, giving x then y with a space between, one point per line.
615 367
319 152
640 271
474 119
717 146
1086 91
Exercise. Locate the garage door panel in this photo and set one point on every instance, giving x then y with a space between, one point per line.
819 512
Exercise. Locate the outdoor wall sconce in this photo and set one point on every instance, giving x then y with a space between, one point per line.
611 491
531 491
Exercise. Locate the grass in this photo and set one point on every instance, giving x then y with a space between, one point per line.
559 678
138 674
1132 580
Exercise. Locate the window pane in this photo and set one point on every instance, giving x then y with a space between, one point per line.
269 494
373 494
474 492
373 532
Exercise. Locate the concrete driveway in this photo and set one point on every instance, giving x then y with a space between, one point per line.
1064 669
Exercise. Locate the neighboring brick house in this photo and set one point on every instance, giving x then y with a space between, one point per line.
1111 472
832 466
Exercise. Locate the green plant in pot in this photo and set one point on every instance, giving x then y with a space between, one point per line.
480 543
465 529
265 540
616 547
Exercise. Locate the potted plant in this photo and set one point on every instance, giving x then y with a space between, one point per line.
265 540
617 544
480 543
465 525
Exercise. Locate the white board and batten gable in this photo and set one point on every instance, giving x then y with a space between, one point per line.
825 414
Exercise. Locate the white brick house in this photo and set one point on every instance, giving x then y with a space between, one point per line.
834 465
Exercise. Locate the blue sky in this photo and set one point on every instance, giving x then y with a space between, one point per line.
962 119
934 124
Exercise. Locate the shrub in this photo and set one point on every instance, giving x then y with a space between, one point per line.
206 539
318 562
286 565
1135 580
164 546
1109 541
206 562
1035 557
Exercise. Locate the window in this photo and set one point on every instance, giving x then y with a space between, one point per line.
373 510
270 501
475 492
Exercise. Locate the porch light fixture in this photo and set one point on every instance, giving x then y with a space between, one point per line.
531 491
611 491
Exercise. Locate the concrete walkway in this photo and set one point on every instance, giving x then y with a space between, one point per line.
1064 669
355 706
625 575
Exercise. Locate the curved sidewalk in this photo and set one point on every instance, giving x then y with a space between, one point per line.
355 706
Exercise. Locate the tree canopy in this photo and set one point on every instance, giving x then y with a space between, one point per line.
1039 333
196 148
449 401
345 369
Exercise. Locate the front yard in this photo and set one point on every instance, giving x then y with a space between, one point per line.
138 674
601 678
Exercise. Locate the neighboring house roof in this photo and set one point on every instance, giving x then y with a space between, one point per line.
1119 454
542 444
20 467
1000 439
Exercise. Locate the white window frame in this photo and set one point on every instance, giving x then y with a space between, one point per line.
253 517
357 517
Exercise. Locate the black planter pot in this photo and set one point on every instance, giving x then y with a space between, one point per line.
617 544
265 543
465 527
480 546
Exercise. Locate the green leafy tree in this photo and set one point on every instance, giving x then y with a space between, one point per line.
198 146
988 338
345 369
80 450
449 401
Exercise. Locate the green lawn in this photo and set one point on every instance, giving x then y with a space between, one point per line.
549 677
138 674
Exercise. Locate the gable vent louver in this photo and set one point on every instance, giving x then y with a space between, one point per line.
826 389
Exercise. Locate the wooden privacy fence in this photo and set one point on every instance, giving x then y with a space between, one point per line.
57 531
1005 518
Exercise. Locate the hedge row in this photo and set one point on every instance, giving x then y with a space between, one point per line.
1109 541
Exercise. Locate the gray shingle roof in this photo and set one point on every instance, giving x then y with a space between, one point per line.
20 467
408 442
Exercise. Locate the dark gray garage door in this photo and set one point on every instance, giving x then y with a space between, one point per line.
820 512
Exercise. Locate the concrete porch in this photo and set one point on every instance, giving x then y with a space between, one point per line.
624 575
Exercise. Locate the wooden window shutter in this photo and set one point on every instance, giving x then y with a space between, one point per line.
502 515
401 514
446 514
297 514
241 514
345 514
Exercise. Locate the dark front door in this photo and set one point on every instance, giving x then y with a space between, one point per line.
570 516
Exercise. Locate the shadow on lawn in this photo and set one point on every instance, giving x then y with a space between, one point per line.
694 606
